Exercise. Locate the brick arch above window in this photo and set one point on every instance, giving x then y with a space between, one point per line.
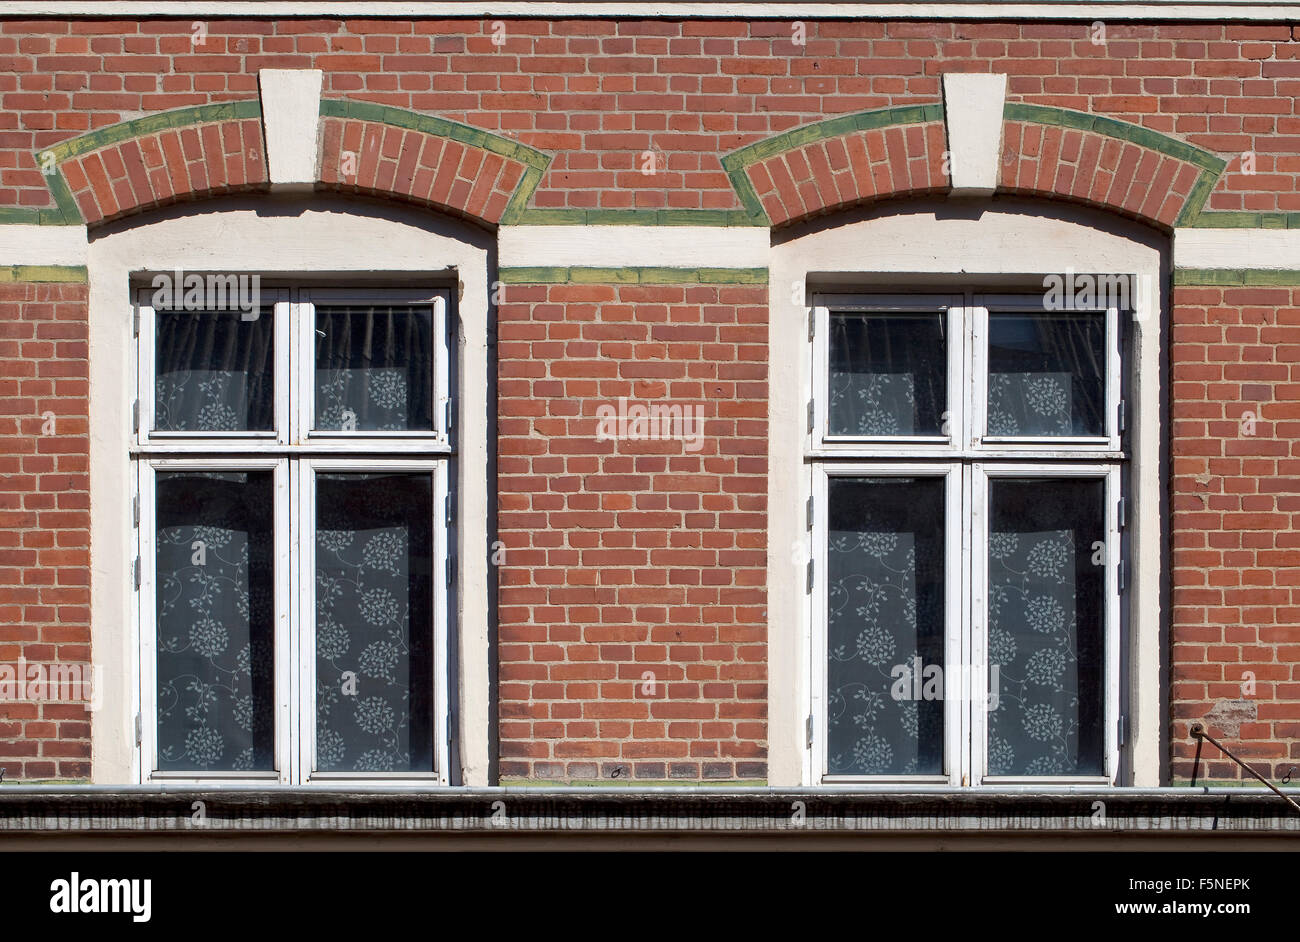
215 150
1099 161
427 160
1047 152
162 158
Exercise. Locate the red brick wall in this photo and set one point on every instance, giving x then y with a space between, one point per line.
1236 525
44 519
598 93
626 557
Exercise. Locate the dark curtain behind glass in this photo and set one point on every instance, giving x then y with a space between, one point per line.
214 371
885 588
215 621
1047 626
374 367
374 621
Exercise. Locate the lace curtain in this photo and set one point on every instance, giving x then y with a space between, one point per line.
885 610
214 371
215 621
374 619
374 368
1046 626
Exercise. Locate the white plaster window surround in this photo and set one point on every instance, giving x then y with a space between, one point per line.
993 248
328 245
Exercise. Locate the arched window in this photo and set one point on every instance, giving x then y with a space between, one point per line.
977 493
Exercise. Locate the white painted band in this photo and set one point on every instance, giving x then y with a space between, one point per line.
633 246
42 245
1236 248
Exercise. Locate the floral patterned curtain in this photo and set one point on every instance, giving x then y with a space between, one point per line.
885 625
214 371
215 621
374 622
1046 626
1046 374
374 367
888 374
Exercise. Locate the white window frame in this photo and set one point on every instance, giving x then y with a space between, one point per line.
980 476
969 459
955 613
967 322
295 452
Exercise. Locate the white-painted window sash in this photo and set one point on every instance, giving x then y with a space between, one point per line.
437 440
980 476
147 438
146 605
1029 447
820 439
966 451
953 611
305 673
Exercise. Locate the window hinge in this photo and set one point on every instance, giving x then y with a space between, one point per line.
1122 420
1123 513
1123 729
1123 575
446 506
810 513
812 322
812 411
135 510
138 729
451 571
810 575
446 416
135 323
135 416
135 573
808 731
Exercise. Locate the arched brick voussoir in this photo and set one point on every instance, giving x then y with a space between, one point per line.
834 173
158 160
1101 162
426 160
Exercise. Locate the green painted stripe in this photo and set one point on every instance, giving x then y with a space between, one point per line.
1227 219
152 124
1237 277
831 127
633 217
438 127
1201 189
736 162
546 275
1111 127
31 274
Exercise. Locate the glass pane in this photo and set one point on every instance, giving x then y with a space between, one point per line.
216 619
374 368
374 622
214 371
1047 374
885 626
888 374
1046 626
